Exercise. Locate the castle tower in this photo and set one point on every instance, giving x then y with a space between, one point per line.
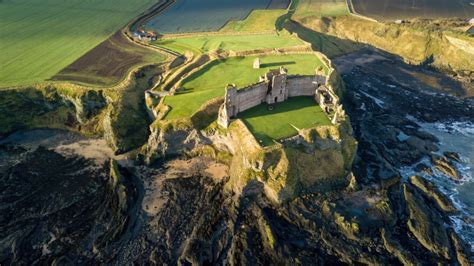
277 90
228 108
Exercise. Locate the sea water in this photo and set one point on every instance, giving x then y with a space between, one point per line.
455 137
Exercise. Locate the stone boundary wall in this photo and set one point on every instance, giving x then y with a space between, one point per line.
184 35
175 79
353 12
185 71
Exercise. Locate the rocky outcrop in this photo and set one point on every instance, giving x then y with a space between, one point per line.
442 201
53 107
317 159
446 166
426 224
177 137
418 41
58 209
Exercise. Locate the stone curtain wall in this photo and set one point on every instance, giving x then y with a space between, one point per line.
301 85
249 97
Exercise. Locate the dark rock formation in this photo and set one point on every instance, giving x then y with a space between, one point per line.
57 209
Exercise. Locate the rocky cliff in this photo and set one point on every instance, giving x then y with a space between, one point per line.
51 107
443 44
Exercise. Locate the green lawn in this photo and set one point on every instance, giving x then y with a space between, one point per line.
257 21
300 112
39 38
204 44
209 82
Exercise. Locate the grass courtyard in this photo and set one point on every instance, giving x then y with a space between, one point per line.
269 125
210 81
39 38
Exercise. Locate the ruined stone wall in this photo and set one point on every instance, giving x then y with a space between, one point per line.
301 86
251 96
278 92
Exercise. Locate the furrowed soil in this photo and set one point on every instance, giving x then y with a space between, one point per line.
404 9
109 62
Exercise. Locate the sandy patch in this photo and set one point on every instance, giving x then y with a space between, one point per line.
95 149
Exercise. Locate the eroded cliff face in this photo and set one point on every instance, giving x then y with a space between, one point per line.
391 222
59 209
118 114
317 159
51 107
442 44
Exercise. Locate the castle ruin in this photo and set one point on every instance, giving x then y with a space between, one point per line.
277 86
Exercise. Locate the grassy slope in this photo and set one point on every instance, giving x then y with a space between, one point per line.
257 21
39 38
204 44
417 42
210 81
266 126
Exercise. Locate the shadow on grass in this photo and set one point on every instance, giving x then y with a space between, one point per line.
274 64
185 91
292 104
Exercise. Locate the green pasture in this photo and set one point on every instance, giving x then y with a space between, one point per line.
39 38
207 43
257 21
320 8
279 123
210 81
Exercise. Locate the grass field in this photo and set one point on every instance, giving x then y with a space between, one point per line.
209 82
204 44
39 38
320 8
267 126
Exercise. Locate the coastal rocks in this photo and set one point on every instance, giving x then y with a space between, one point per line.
426 224
430 190
49 107
446 166
57 208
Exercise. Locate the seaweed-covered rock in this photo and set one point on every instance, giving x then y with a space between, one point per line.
59 209
426 224
446 166
430 190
